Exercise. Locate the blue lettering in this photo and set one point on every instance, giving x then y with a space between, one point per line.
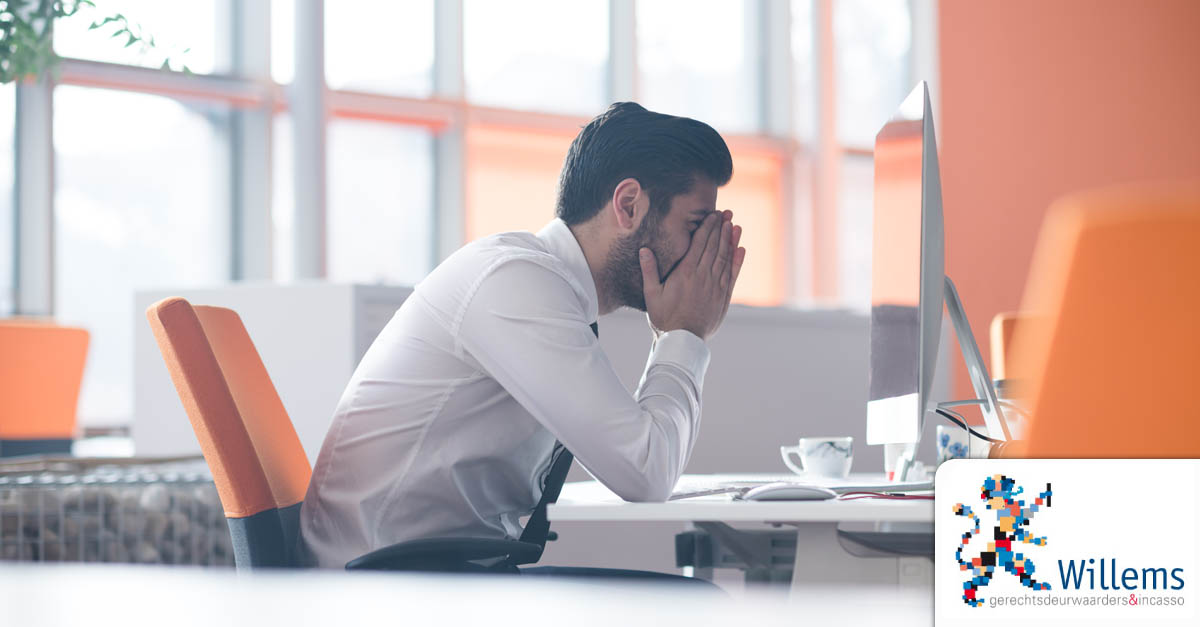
1075 573
1152 573
1071 574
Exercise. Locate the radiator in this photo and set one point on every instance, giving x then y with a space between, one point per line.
142 511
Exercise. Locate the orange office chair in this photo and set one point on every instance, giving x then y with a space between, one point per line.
1003 327
257 462
41 371
1111 361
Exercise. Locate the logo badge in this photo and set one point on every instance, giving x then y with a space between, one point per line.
1002 496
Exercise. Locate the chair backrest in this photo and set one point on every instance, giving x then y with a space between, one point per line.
41 371
1004 324
259 467
1109 363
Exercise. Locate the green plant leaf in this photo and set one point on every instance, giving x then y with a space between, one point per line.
108 20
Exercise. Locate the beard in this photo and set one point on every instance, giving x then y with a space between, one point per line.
623 271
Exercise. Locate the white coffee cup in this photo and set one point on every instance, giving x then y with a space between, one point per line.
821 457
979 449
953 442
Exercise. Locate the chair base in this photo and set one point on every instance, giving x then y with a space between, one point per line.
36 446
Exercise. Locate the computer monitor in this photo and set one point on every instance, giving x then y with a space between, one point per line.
909 286
907 270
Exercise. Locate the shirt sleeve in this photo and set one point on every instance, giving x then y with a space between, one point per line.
526 326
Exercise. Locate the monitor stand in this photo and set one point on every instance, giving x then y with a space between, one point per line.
993 416
985 392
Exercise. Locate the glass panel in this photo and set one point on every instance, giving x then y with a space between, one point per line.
512 178
698 58
283 200
142 201
855 213
755 195
514 51
8 116
873 45
283 40
188 33
380 216
383 47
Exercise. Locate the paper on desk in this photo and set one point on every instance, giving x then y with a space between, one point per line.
714 485
898 486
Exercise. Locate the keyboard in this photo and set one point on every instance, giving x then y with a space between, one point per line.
715 485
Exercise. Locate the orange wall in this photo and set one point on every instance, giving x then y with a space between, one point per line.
1042 98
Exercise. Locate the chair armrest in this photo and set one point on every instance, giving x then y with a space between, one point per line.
446 554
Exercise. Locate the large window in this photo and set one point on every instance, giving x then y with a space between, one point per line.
855 216
699 58
283 40
283 227
380 202
142 201
421 125
193 33
873 74
874 66
756 195
512 178
384 47
544 55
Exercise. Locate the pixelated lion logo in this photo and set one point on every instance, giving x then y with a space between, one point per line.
999 494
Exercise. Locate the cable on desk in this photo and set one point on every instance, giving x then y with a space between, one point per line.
959 420
853 496
979 401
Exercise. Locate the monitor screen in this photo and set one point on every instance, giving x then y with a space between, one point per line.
895 380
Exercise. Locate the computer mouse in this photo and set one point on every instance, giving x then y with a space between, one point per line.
788 491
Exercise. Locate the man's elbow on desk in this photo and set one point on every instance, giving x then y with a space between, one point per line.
645 491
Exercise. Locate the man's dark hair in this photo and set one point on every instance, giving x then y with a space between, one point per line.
665 153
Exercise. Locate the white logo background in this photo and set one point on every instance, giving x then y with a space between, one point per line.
1140 512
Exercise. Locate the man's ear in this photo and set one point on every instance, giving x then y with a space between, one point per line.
629 203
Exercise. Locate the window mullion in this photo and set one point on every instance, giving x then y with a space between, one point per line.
622 50
776 85
449 146
924 64
778 111
307 104
827 156
250 47
34 196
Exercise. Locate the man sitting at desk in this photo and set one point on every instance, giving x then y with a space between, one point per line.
455 416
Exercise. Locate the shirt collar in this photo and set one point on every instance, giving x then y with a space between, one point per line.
561 243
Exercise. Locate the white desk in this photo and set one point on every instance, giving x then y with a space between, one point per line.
822 556
33 595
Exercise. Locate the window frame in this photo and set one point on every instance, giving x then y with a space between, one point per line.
810 177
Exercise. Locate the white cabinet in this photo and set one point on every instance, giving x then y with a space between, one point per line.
310 336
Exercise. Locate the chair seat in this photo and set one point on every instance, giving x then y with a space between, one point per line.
449 555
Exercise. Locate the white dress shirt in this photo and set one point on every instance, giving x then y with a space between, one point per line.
448 424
